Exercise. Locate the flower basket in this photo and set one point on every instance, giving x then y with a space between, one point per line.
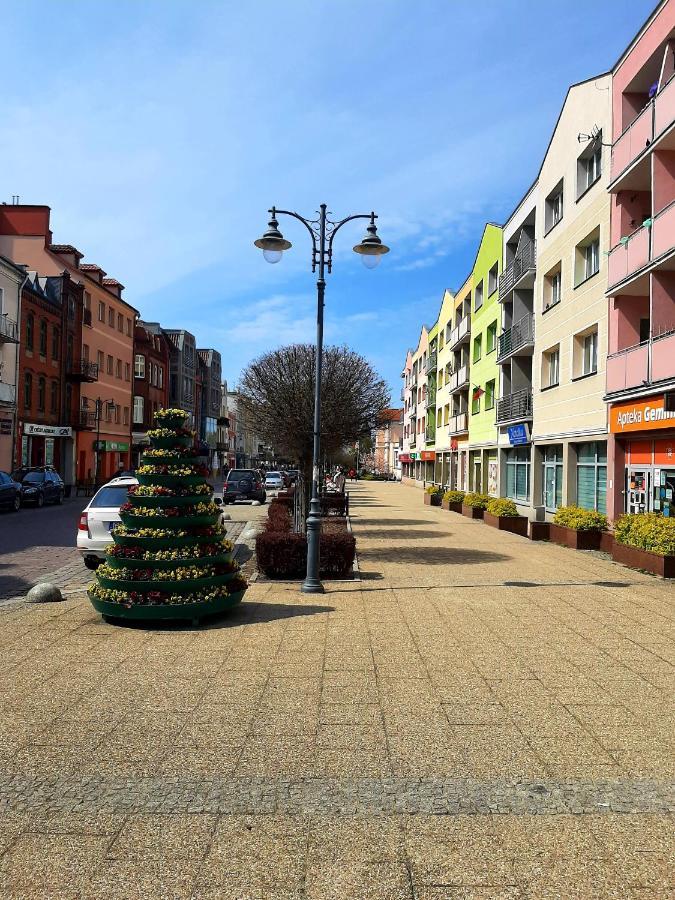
647 560
514 524
193 611
133 521
174 421
165 459
165 543
178 440
170 480
122 563
176 587
162 502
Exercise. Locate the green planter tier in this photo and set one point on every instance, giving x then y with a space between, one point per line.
171 597
166 611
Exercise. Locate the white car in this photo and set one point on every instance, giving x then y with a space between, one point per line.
274 481
99 517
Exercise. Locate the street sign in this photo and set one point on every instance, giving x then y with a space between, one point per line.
518 434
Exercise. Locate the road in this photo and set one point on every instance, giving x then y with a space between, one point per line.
35 543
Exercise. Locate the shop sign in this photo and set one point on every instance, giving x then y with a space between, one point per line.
414 456
63 431
117 446
518 434
404 457
5 426
639 415
428 456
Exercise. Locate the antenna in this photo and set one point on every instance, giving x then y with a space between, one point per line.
16 200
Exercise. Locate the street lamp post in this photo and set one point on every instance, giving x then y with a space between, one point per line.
272 243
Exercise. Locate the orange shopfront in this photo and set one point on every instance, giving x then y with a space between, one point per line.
641 457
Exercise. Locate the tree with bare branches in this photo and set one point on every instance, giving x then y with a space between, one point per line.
276 392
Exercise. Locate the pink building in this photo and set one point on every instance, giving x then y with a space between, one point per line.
641 274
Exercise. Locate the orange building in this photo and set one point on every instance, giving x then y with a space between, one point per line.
103 441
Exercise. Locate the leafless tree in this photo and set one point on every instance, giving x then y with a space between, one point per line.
277 394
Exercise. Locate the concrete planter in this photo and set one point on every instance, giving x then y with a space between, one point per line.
514 524
644 559
432 499
451 507
577 540
540 531
472 512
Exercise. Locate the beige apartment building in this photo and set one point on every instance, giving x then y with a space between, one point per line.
569 425
416 468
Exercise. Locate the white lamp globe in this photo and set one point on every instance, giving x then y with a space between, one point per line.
273 256
370 261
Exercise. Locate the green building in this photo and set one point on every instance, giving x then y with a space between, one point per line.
484 372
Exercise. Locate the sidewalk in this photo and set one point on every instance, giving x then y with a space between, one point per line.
480 716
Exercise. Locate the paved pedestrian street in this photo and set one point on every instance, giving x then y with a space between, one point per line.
477 716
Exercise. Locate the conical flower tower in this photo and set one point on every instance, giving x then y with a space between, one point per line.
170 558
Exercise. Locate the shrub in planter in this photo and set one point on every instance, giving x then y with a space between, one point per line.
502 506
278 518
337 553
433 495
646 532
284 555
580 519
475 500
452 500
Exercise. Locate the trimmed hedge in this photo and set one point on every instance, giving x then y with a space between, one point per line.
284 554
433 489
476 501
580 519
646 531
502 507
454 496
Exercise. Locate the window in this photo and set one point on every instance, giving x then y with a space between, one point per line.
589 166
120 322
30 326
590 357
493 279
491 342
550 367
2 299
441 339
118 412
86 300
27 390
553 287
587 258
139 366
101 311
109 365
475 404
99 360
553 211
478 296
490 395
125 419
56 340
552 463
54 397
518 473
111 317
127 371
138 410
42 389
71 308
85 352
592 476
477 347
118 369
128 327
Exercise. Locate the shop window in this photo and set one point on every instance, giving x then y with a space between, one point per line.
30 328
592 476
552 464
27 390
518 473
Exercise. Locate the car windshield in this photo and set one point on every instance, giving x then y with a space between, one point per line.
33 478
274 474
111 497
240 473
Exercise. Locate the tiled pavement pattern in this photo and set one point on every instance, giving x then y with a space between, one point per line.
478 717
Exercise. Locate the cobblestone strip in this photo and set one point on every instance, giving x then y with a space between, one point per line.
332 796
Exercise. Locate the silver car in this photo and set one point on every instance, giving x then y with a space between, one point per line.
99 517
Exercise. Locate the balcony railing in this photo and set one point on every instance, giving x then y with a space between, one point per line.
524 262
517 405
642 365
430 434
632 142
458 423
459 379
82 370
430 365
460 332
9 331
628 256
664 108
7 393
515 338
663 231
82 418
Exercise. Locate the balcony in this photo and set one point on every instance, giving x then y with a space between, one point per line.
629 256
82 370
520 273
402 394
519 339
7 394
430 365
9 331
650 243
664 108
82 419
460 333
86 317
663 231
632 142
459 379
515 407
430 434
641 365
458 424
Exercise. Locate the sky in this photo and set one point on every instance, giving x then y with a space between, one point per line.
161 131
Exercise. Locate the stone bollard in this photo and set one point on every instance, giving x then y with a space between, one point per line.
44 593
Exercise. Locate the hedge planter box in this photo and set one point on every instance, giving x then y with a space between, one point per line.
514 524
472 512
540 531
432 499
644 559
451 507
577 540
606 541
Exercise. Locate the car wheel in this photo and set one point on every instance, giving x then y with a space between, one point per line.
16 503
59 498
40 500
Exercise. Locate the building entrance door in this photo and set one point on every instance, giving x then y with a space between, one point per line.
638 489
477 476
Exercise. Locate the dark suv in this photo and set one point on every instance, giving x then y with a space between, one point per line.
39 485
244 484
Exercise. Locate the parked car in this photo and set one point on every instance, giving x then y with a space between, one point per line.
292 475
10 492
274 481
244 484
98 518
39 485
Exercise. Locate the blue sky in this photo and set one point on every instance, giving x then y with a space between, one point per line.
160 132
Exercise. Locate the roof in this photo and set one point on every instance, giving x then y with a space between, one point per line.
112 282
391 415
91 267
65 248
